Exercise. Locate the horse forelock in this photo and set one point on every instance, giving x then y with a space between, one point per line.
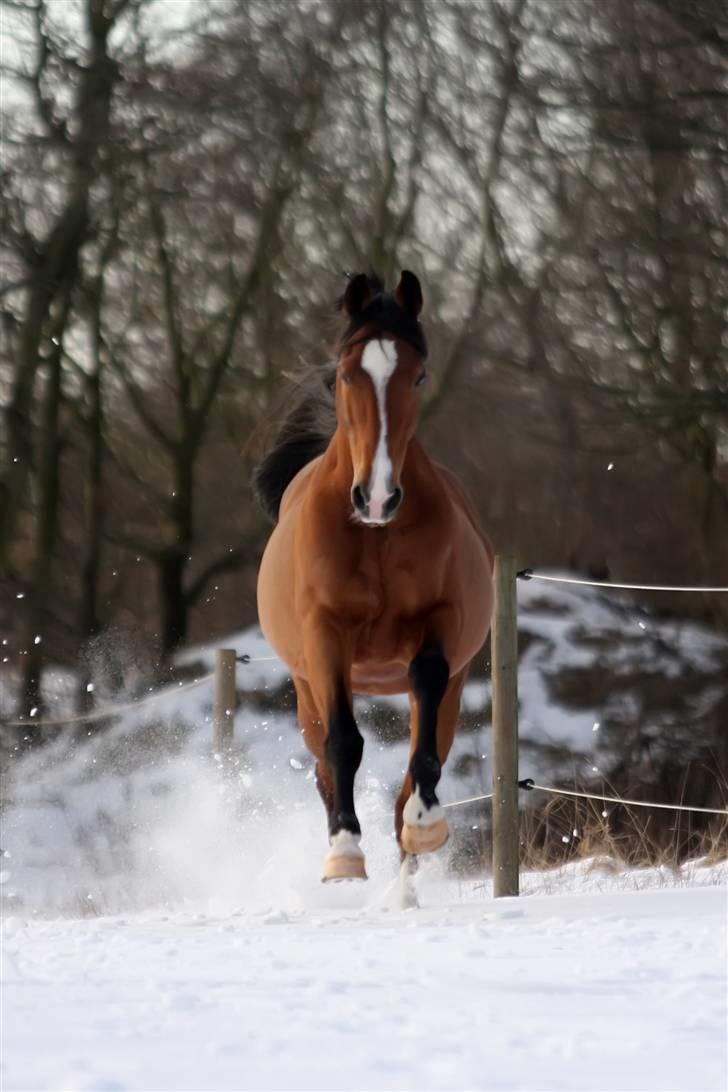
383 315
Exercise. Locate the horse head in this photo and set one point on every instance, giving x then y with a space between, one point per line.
381 367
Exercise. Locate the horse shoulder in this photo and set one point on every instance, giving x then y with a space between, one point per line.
296 490
461 498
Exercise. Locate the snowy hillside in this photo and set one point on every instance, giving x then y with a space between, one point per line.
142 813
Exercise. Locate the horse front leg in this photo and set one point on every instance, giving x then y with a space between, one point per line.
314 736
435 701
329 677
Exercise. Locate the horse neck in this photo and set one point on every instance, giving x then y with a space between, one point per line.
336 460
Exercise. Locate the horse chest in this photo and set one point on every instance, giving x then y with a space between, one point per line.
387 590
401 592
375 585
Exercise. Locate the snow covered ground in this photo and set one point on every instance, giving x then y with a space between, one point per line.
610 988
164 926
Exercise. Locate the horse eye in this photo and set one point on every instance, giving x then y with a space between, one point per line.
420 379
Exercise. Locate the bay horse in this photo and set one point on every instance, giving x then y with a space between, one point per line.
377 578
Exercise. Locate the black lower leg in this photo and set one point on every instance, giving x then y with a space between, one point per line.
344 747
429 675
325 788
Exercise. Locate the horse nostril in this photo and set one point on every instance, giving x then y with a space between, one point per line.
359 498
394 502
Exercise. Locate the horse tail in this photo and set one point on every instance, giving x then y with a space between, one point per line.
305 433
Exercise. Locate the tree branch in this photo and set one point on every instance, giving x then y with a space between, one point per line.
228 562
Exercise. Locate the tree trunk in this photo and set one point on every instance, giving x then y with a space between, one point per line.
45 539
172 562
174 607
89 620
58 255
57 269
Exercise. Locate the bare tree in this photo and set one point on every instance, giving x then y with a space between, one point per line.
178 210
199 340
75 137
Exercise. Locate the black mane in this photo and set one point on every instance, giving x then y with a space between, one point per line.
311 421
305 433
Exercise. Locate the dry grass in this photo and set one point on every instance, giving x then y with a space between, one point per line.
559 830
567 829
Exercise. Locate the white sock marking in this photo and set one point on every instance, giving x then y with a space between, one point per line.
416 814
379 360
345 844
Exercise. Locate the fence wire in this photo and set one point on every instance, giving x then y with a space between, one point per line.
528 574
528 784
117 709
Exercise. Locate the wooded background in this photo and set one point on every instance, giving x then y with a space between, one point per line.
183 186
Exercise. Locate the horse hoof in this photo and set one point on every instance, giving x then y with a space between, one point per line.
344 868
424 839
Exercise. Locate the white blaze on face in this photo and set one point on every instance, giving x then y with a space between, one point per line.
379 360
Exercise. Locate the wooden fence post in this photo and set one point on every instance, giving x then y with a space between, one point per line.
224 704
505 729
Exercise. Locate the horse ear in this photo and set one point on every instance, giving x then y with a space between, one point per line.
357 296
408 293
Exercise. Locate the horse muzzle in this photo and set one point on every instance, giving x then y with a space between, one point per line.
375 511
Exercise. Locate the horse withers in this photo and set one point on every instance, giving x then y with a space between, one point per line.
377 578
